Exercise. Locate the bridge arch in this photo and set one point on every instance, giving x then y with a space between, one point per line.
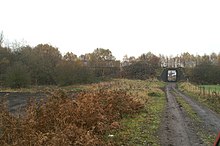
172 74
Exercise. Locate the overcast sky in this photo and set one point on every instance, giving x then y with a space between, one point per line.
129 27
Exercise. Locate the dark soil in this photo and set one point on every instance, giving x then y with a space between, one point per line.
16 101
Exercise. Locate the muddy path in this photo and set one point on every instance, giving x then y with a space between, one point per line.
16 101
177 128
210 119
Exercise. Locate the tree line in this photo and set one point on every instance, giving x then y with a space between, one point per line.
45 65
23 65
201 69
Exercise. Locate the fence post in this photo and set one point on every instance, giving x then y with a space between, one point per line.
216 91
209 91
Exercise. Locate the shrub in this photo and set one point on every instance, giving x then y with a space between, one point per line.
154 94
62 120
69 73
17 76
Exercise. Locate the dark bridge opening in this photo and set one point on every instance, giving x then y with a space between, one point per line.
172 74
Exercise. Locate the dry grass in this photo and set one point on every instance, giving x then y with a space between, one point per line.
62 120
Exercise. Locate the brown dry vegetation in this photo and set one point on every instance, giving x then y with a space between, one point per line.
63 120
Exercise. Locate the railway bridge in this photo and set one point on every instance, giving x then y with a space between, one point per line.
173 74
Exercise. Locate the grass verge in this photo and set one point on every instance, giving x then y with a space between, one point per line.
211 102
141 129
215 88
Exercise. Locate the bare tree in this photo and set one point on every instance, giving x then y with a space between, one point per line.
1 38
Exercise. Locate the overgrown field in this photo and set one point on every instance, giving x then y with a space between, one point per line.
207 94
120 112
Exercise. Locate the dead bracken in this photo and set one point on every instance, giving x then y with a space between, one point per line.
65 121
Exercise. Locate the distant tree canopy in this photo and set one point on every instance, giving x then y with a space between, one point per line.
71 70
17 76
44 65
141 68
44 60
1 39
199 69
206 73
23 65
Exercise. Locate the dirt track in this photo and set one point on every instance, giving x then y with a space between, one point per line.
177 128
17 100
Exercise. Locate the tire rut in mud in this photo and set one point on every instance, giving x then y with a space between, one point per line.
210 120
177 129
